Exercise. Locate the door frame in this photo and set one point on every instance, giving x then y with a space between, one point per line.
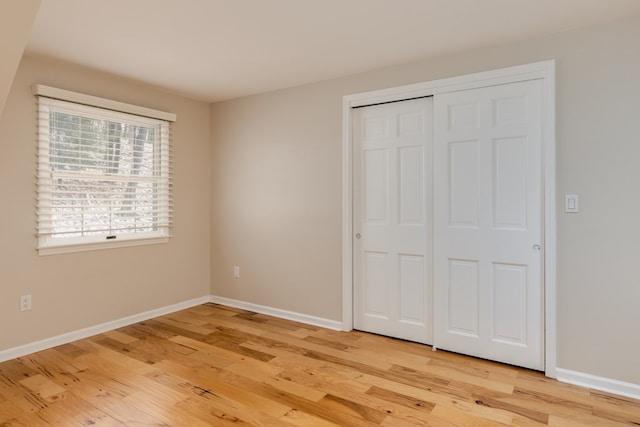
544 71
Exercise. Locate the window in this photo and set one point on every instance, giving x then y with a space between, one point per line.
103 176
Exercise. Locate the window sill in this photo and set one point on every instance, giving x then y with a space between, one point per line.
95 246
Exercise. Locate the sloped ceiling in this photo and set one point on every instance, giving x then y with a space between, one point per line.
16 20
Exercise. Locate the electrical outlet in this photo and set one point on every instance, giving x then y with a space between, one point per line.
25 302
236 272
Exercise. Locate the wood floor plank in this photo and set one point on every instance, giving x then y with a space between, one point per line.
43 387
302 419
78 410
527 400
219 412
182 324
121 410
109 359
205 385
217 365
291 387
462 417
8 412
616 408
401 399
53 366
383 404
42 419
583 421
171 414
120 337
502 403
326 353
255 369
431 421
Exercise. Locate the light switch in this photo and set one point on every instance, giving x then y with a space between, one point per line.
571 203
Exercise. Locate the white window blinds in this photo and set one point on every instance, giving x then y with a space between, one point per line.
103 176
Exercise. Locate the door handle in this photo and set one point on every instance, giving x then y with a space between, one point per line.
358 235
536 247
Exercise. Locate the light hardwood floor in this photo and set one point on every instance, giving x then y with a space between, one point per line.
214 365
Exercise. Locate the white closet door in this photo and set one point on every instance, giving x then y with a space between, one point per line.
488 289
391 203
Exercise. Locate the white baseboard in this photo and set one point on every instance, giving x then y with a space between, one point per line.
599 383
565 375
289 315
47 343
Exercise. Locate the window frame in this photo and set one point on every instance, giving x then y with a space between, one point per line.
47 97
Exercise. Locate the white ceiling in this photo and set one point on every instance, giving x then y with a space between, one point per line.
219 49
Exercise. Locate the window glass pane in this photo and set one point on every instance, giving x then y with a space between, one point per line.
101 176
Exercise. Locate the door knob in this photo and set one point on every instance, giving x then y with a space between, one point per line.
358 235
536 247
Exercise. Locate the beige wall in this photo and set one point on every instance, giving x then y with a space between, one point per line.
74 291
276 185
